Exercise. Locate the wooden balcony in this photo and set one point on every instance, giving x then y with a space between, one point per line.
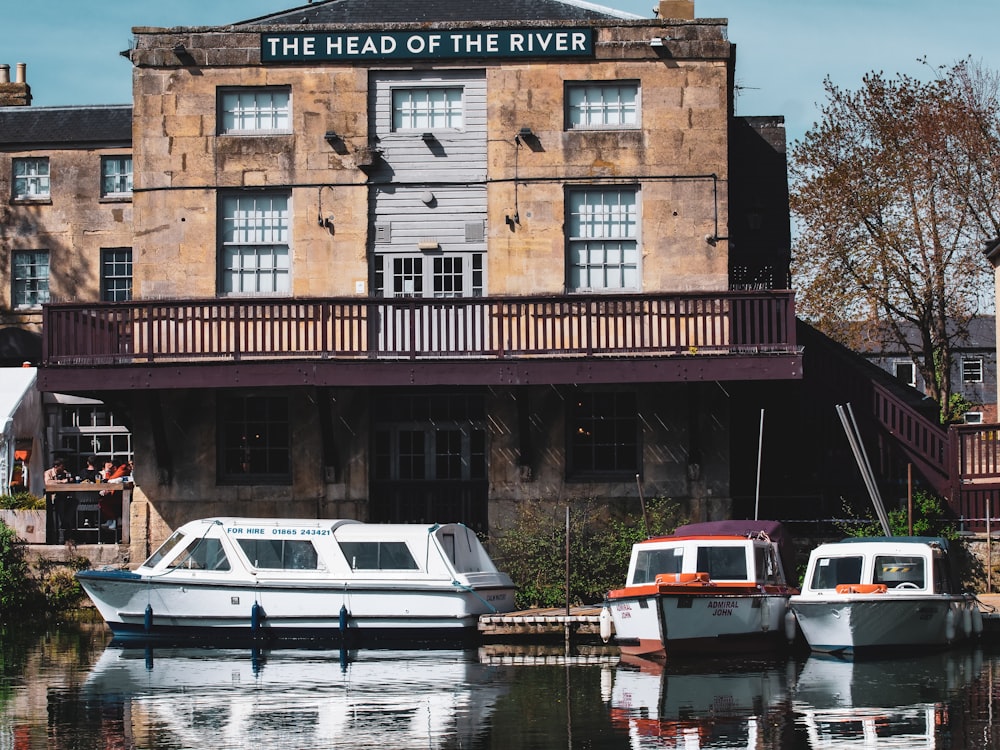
253 341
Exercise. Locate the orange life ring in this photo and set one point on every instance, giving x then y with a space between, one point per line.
861 588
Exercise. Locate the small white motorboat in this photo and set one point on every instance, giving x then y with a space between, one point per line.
305 579
713 586
873 594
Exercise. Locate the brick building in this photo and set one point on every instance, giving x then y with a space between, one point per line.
403 262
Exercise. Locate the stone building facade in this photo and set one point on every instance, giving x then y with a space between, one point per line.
420 263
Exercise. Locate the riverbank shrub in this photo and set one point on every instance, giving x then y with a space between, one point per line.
532 548
18 595
49 590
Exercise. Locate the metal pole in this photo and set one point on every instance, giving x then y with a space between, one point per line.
760 448
854 438
909 499
567 561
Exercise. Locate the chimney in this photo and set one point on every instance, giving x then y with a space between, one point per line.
18 93
679 9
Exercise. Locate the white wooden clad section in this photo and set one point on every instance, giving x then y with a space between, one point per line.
430 194
456 155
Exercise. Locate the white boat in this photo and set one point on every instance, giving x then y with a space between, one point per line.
305 578
876 593
713 586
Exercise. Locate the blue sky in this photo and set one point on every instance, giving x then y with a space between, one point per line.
784 47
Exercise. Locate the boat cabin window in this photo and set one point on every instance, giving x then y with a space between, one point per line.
164 549
831 571
650 563
202 554
723 563
899 571
280 554
378 556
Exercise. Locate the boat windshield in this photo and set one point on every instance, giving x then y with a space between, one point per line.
202 554
899 571
650 563
832 571
164 549
281 554
723 563
378 556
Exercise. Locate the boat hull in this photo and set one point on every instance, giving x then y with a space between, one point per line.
660 625
144 607
866 624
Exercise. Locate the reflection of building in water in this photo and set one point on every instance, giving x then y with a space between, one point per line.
296 698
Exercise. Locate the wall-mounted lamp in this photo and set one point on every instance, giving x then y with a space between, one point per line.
428 245
427 137
427 197
656 42
331 136
179 49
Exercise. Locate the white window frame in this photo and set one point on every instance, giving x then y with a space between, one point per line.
912 380
425 275
255 244
972 369
30 278
116 176
603 251
258 110
973 417
31 178
603 105
116 274
427 108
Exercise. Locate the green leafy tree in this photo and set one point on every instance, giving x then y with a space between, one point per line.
895 190
532 549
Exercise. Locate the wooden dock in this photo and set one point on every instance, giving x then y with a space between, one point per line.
578 624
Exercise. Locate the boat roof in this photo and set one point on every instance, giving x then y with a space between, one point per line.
746 529
357 529
938 541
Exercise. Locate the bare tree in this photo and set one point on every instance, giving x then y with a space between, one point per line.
895 191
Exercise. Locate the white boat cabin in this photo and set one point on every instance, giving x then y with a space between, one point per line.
339 549
903 565
724 559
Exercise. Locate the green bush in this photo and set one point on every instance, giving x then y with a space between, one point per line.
23 593
18 593
22 501
533 549
928 520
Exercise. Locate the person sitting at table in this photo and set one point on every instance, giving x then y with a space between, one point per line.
111 502
63 503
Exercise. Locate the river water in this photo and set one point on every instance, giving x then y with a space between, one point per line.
70 688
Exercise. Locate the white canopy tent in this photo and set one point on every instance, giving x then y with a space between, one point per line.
21 428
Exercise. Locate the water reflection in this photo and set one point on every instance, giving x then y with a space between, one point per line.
901 703
69 689
221 698
708 704
822 702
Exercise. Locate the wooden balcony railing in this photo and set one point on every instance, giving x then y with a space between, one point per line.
241 329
